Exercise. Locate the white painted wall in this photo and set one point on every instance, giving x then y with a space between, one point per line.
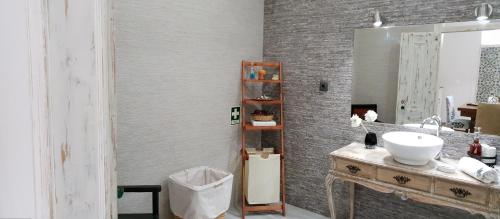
16 152
490 38
459 59
178 69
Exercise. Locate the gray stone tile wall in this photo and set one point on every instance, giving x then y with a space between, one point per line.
314 40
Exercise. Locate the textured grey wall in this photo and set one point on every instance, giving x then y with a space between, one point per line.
178 65
314 40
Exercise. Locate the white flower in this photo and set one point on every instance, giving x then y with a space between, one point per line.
355 121
371 116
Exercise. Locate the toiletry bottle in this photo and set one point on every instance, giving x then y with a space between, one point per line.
252 73
247 73
475 147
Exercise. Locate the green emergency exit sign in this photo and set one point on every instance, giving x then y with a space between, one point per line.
235 115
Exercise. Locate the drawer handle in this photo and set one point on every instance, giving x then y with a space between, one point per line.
402 179
353 169
459 192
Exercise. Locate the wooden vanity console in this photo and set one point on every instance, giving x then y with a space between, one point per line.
375 169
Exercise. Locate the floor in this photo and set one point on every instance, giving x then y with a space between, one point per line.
292 212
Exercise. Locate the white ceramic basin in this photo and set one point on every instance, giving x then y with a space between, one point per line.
412 148
429 126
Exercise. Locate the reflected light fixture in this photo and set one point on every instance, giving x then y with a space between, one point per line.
483 12
377 20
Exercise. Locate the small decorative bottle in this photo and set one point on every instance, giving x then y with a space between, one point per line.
275 77
475 148
247 73
252 73
262 74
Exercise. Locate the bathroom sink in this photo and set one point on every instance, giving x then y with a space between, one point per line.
412 148
429 126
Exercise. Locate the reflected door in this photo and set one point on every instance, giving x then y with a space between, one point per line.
417 79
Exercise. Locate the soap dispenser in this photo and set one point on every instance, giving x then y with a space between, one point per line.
475 147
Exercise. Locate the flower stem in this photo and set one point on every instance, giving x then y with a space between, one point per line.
366 130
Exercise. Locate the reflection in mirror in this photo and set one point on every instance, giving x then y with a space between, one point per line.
407 74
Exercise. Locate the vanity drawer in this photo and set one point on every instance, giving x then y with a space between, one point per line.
461 191
404 179
495 199
354 168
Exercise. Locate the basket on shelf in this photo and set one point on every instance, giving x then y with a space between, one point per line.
262 117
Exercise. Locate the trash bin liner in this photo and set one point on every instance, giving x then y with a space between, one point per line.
200 192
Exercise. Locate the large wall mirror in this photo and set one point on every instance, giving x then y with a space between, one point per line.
409 73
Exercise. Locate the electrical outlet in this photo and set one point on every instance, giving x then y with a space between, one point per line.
323 85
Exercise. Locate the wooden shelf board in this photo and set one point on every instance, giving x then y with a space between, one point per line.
259 208
245 155
282 156
250 127
265 64
261 81
263 102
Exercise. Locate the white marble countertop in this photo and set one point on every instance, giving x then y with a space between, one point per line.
380 156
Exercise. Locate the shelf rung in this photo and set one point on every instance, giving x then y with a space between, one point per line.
265 64
258 208
282 157
263 102
262 81
250 127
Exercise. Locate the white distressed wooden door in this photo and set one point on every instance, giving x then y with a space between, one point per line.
417 85
73 114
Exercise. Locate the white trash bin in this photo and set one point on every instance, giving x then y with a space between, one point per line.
200 193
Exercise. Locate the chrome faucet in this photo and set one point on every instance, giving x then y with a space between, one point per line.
435 119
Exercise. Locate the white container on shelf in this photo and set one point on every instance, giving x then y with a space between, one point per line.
262 178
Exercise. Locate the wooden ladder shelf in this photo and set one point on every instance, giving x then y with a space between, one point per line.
247 85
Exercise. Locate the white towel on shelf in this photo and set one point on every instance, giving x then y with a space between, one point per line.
478 170
263 123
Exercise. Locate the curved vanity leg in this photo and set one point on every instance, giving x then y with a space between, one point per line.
330 178
351 200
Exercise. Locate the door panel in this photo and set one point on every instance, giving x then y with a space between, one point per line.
418 67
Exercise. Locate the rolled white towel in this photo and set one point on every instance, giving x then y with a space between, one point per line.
478 170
